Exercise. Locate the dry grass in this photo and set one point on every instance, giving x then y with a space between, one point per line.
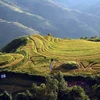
41 49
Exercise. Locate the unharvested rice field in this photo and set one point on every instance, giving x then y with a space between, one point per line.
35 56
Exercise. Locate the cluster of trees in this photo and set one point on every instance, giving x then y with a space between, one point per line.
96 89
95 38
5 96
55 88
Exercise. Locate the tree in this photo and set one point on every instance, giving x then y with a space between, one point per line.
74 93
85 38
56 88
62 85
39 92
77 93
5 96
96 89
29 95
48 91
22 96
49 34
81 37
52 88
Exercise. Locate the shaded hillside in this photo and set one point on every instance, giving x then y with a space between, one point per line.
90 6
12 13
47 16
95 10
71 22
11 30
82 5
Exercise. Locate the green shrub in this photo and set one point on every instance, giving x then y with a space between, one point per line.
96 89
5 96
69 66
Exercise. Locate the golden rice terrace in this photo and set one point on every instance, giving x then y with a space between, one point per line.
33 54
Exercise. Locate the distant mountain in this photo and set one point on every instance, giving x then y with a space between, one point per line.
11 30
47 16
79 4
14 13
72 22
90 6
17 23
60 16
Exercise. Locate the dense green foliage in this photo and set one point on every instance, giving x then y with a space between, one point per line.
70 66
55 88
14 45
95 38
5 96
96 88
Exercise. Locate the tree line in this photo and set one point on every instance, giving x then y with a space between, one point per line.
55 88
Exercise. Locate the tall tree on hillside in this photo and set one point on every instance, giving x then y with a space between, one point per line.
52 88
62 85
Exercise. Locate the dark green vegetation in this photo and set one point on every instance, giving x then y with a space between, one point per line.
53 88
21 17
95 38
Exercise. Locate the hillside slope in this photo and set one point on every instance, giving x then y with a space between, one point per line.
81 5
13 13
11 30
47 16
10 12
37 52
64 18
90 6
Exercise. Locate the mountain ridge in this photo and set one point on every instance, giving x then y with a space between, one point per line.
50 17
12 30
91 6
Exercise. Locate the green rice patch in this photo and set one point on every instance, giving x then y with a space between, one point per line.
5 58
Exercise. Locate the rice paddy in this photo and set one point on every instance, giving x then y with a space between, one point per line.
35 56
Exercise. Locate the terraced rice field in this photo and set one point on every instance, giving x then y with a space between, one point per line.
35 56
9 60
